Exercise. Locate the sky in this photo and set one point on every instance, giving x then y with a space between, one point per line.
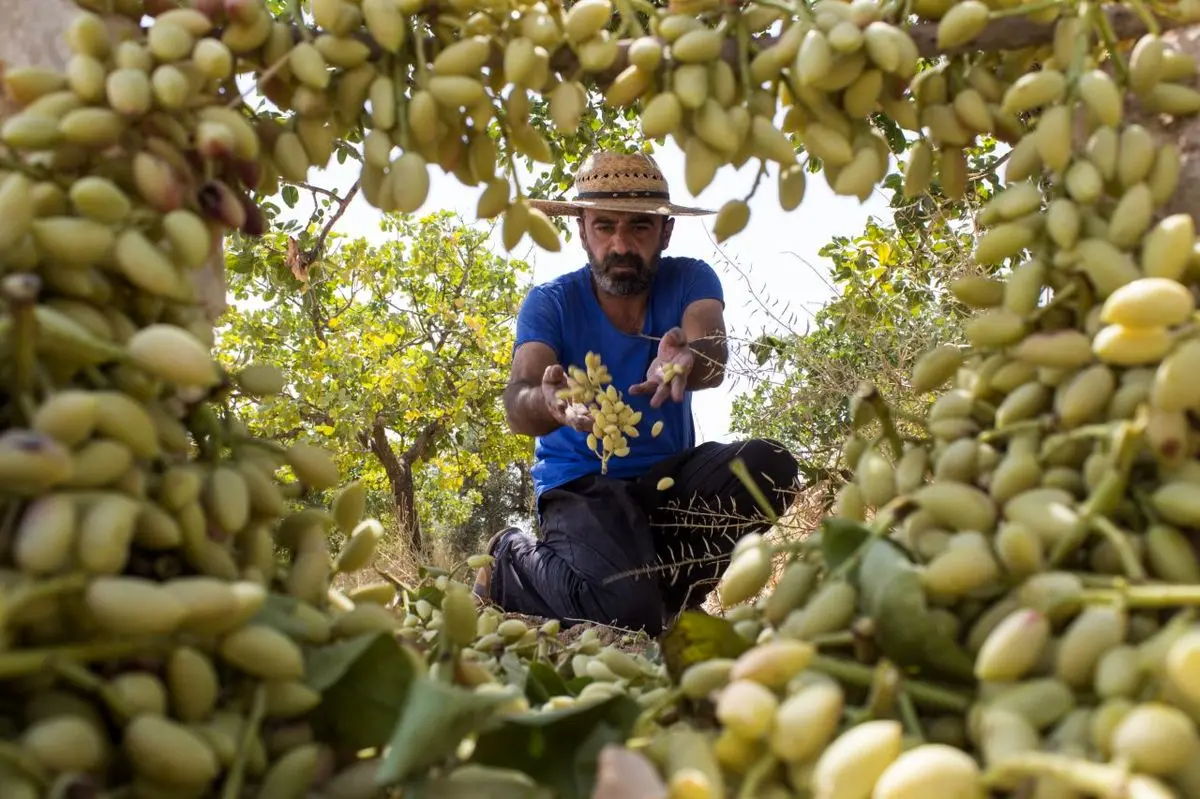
773 278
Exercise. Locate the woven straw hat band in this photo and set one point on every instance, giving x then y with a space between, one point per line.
606 175
622 182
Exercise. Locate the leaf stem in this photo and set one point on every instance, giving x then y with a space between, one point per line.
758 176
79 676
1164 595
22 297
422 76
1096 779
743 43
1146 17
28 593
754 778
869 394
1014 429
923 694
1025 8
884 688
27 662
296 8
232 787
910 716
1120 541
1102 23
651 714
400 78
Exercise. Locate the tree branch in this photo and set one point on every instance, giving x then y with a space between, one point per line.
318 190
375 439
424 440
343 204
1021 32
1001 34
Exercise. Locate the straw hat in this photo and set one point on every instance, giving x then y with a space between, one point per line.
619 182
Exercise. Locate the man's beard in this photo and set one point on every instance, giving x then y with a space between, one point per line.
623 284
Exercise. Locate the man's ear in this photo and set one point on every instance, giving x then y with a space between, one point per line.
582 223
668 227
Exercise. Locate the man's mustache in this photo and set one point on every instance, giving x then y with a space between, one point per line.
631 260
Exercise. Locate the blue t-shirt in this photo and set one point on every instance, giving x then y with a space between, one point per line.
565 315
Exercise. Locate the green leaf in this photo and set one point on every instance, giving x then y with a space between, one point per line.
841 538
434 721
543 682
576 684
476 782
364 682
290 194
893 598
513 670
696 637
279 611
559 748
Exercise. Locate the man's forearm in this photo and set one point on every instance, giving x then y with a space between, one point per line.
711 354
525 407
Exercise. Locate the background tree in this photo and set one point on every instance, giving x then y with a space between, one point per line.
892 303
396 351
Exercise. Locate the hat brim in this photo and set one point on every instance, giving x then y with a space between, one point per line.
643 205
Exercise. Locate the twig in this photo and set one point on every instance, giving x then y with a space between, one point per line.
318 190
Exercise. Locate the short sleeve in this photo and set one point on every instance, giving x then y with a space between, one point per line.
702 283
539 320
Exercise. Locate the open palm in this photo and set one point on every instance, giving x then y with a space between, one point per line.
668 372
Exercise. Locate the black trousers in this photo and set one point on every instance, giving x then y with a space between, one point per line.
623 553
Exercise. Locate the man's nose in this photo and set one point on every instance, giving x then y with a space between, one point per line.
622 243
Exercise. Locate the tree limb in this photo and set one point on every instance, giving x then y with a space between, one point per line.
1006 33
1021 32
318 190
376 441
343 203
421 445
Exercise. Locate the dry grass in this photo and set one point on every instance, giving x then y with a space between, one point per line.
397 560
797 523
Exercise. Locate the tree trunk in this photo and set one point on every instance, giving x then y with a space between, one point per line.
33 35
525 499
405 498
398 469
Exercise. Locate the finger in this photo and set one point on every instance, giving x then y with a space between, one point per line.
660 395
678 386
643 388
553 374
676 336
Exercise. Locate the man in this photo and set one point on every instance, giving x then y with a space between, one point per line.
615 549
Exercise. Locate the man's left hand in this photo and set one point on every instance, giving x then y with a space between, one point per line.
677 358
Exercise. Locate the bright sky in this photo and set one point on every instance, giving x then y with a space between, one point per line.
771 272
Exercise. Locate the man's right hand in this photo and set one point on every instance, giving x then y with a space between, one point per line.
569 414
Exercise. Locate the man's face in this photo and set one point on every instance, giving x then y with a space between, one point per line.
623 248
